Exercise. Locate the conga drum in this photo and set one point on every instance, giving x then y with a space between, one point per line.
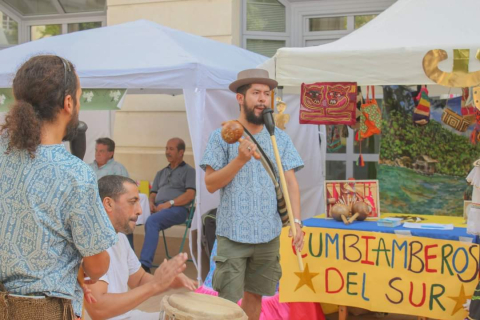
196 306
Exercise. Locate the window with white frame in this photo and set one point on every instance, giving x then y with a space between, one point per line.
8 30
43 30
25 20
265 26
271 24
321 29
361 20
266 16
343 152
80 26
50 7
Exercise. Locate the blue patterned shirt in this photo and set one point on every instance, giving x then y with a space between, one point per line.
248 205
112 167
51 216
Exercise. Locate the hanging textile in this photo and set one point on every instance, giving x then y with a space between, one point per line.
328 103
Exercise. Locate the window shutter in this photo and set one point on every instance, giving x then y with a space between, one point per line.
266 48
266 15
8 30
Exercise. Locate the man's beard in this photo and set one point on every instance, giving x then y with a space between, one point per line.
123 226
251 116
72 127
127 229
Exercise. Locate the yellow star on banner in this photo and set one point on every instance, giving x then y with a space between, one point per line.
460 300
305 279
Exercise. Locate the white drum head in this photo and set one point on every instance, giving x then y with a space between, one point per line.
192 305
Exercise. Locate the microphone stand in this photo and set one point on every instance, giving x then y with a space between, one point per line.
270 125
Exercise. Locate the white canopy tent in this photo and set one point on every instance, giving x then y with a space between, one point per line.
145 57
388 50
138 55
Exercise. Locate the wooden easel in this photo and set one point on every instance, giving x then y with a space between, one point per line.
342 313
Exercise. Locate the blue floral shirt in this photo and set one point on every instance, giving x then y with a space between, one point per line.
248 205
51 216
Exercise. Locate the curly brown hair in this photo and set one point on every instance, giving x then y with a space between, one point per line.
40 87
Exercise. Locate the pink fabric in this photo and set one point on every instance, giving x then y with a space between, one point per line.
272 309
305 310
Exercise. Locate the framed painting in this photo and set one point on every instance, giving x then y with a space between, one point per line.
347 192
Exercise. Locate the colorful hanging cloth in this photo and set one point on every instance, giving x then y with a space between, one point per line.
328 103
371 118
421 113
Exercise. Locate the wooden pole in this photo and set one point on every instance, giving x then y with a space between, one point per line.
81 280
342 313
283 184
272 94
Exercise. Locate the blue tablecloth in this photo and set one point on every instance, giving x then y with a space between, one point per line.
458 234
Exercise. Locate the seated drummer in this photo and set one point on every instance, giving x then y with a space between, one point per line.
114 301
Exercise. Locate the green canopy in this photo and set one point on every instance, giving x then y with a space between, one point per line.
91 99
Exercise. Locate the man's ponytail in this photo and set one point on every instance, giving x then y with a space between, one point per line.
22 128
40 87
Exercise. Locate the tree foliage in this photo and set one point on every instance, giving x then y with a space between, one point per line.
51 30
400 137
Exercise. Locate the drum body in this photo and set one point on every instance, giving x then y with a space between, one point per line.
196 306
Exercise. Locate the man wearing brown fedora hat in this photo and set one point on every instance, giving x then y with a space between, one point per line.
248 224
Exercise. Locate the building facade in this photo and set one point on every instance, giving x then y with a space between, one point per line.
146 122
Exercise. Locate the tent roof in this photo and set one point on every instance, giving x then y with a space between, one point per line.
138 55
389 49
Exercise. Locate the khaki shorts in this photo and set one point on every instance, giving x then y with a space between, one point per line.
241 267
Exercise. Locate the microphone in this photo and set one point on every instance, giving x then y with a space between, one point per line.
268 119
78 145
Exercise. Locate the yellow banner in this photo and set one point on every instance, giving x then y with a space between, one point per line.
381 272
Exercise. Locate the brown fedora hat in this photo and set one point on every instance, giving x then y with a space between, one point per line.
250 76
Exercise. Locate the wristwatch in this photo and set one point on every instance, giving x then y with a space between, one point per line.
300 223
172 202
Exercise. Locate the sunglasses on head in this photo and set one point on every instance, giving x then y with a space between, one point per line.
66 66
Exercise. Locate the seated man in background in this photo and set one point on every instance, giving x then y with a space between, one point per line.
114 301
172 191
104 165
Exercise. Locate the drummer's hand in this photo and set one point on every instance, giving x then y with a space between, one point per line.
183 281
168 271
87 294
298 240
244 153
